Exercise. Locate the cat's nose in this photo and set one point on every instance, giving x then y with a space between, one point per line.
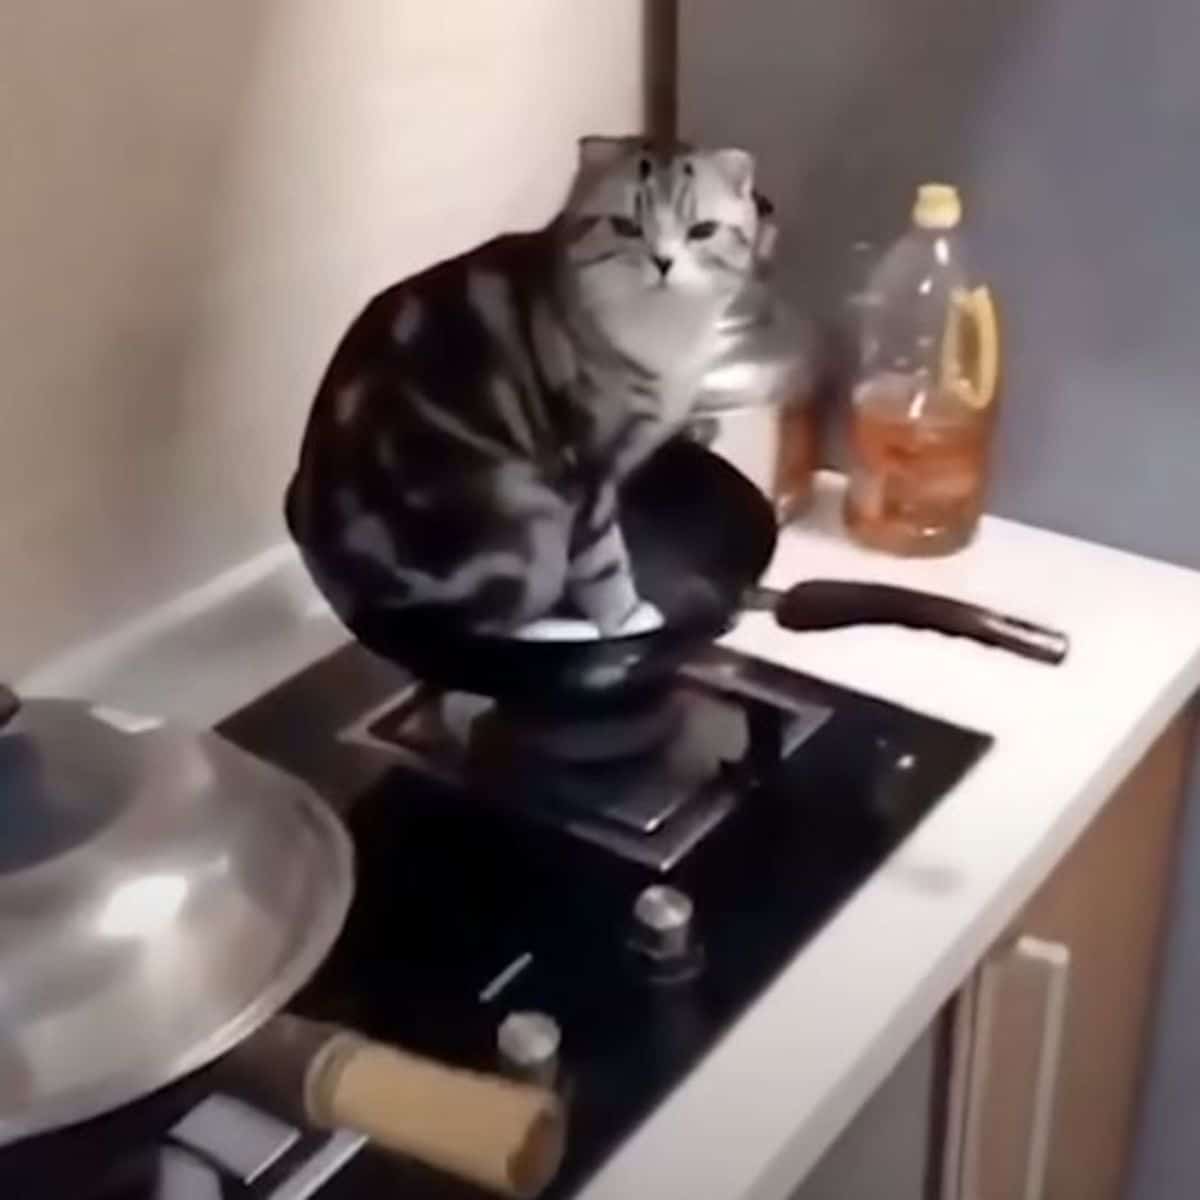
663 265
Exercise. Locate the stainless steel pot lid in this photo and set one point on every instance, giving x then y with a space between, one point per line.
162 893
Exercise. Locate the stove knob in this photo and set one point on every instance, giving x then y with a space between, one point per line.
528 1043
662 918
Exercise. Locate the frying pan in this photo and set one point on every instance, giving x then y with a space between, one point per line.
700 535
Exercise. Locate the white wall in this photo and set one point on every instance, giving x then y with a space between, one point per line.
196 199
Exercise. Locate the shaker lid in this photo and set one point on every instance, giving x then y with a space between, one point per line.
753 303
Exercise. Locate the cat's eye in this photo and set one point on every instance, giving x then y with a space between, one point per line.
625 227
702 230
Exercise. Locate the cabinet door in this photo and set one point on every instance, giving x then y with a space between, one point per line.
1045 1076
884 1151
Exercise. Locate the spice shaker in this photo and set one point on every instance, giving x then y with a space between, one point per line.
755 403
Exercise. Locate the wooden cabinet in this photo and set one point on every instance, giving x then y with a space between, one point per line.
1027 1087
1048 1039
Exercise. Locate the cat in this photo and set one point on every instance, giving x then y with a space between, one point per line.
466 443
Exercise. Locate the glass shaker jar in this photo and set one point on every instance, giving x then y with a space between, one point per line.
755 403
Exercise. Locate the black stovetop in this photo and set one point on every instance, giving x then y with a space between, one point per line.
451 892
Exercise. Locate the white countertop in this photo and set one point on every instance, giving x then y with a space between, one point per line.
761 1109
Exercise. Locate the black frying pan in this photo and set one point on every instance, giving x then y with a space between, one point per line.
700 535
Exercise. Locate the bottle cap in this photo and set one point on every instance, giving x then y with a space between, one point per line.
938 206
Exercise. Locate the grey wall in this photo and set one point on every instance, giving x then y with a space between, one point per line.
1074 128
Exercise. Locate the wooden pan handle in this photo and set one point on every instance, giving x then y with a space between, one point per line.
833 604
505 1136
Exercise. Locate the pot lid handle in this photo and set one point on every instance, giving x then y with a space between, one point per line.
9 704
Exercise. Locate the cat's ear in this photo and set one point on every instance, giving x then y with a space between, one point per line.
737 167
599 153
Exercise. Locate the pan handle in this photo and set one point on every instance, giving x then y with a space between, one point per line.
833 604
502 1135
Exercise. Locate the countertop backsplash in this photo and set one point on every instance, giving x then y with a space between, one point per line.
197 199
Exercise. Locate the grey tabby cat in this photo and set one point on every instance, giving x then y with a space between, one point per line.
465 446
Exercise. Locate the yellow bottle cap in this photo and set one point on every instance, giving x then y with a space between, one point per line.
938 206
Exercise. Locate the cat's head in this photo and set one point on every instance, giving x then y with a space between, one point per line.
647 228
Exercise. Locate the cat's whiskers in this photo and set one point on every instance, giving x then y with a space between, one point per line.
595 260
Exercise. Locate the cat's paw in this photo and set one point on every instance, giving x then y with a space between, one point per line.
557 629
644 619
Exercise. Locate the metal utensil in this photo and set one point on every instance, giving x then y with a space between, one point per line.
162 893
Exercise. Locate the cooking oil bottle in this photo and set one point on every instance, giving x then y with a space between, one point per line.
922 404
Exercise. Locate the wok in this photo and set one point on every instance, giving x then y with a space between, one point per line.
700 535
162 895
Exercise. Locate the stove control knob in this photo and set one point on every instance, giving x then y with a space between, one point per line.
662 919
528 1043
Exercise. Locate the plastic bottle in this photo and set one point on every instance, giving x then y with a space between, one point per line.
922 400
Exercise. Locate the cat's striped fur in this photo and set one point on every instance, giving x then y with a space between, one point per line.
464 447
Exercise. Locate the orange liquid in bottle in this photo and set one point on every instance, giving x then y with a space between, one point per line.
920 467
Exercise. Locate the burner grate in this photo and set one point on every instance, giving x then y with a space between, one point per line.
648 786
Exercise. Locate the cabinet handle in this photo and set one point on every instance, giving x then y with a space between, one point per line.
966 1126
1056 959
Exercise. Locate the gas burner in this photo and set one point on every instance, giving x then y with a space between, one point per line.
572 738
647 784
443 732
527 923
